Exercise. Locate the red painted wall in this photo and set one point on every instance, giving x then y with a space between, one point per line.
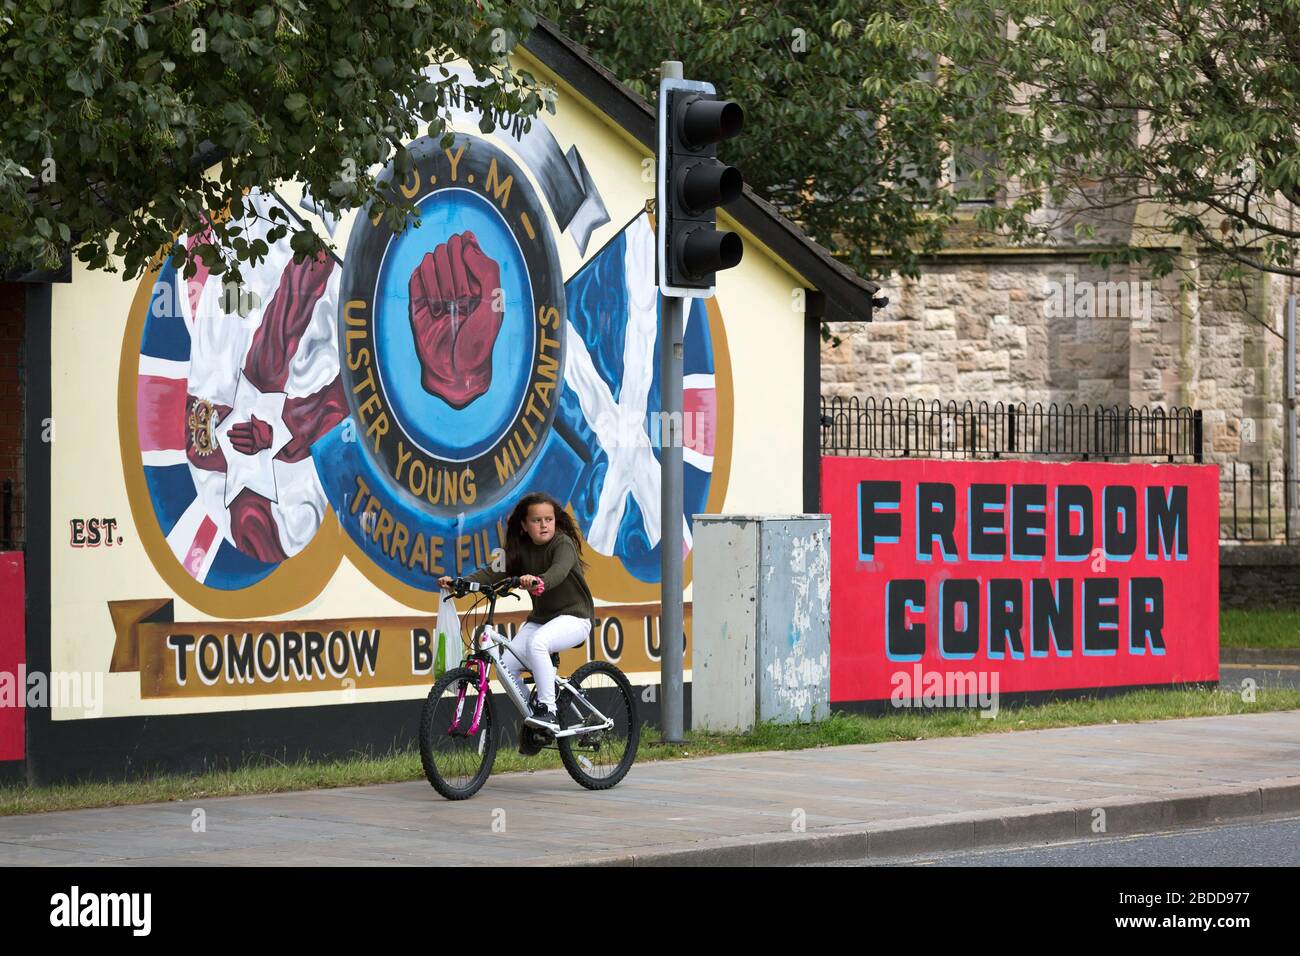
12 653
1130 602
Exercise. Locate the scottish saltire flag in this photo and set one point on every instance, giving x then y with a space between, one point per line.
233 388
611 402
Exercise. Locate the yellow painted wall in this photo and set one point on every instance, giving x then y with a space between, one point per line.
764 336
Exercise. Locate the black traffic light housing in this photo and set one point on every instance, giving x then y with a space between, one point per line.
692 184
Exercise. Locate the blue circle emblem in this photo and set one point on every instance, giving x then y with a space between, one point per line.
427 419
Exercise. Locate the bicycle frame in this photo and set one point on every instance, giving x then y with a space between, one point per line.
490 643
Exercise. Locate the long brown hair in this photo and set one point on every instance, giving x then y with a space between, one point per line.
517 537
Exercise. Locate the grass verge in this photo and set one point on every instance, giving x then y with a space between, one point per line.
1259 628
837 730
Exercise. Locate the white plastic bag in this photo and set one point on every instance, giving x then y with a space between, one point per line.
447 653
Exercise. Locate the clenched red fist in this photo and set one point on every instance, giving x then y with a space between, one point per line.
250 437
453 291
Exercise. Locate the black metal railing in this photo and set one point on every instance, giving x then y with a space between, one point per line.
1252 503
934 429
7 542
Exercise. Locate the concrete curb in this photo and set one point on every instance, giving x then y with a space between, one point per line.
1263 656
1124 816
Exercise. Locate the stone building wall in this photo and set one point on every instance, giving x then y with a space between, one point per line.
1001 326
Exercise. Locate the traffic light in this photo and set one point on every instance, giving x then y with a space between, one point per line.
692 183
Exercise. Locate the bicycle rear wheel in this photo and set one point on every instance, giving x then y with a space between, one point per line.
600 759
455 763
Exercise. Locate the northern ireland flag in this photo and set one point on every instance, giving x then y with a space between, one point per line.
234 385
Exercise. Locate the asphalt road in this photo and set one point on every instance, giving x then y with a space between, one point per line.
1273 842
1264 675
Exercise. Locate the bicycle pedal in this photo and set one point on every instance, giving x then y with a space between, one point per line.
530 741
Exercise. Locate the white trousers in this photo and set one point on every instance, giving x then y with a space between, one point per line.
535 643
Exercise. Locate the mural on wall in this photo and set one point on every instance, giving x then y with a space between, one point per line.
391 406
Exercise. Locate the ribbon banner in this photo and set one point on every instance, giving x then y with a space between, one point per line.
237 658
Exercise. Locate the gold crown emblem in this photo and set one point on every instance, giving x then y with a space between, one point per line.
201 422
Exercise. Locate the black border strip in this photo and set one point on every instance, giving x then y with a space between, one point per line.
36 499
812 390
29 275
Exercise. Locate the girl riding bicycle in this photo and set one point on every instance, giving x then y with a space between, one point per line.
544 549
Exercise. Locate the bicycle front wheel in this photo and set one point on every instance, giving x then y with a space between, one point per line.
456 763
600 759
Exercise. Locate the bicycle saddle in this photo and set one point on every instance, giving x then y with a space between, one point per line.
555 662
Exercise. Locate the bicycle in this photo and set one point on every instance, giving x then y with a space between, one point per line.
599 729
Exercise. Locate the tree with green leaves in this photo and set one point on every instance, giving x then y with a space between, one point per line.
1125 125
847 132
1164 123
128 122
1082 113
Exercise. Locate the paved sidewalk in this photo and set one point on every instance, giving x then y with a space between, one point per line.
857 801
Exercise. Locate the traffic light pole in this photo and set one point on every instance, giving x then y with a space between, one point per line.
671 625
672 314
690 185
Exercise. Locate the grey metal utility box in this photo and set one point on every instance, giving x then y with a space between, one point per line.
760 620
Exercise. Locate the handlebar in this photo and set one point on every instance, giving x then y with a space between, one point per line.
459 587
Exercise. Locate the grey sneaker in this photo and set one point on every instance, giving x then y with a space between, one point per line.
544 719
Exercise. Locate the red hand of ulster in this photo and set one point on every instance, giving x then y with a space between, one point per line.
456 311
